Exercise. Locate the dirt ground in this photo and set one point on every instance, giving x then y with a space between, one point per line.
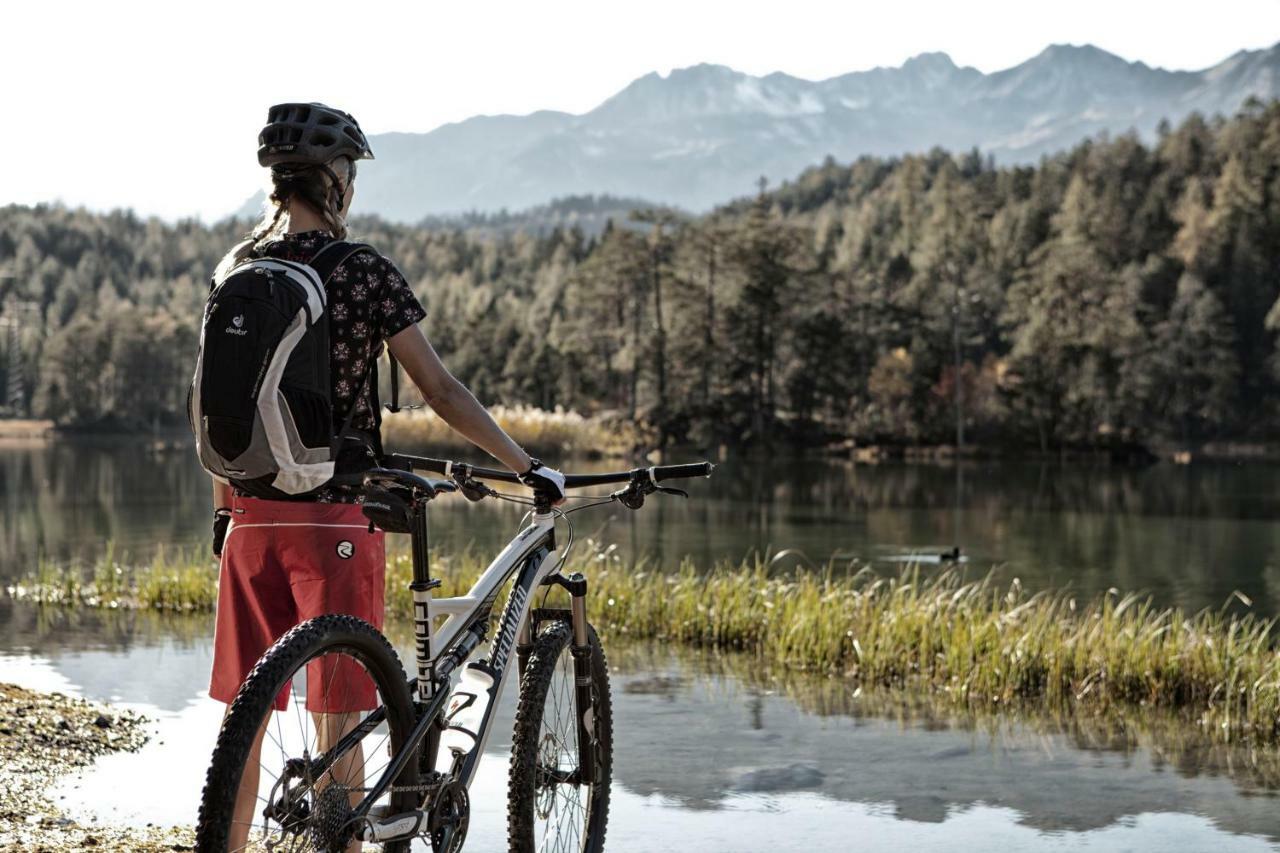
46 735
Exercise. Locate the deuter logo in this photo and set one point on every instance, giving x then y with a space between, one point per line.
235 327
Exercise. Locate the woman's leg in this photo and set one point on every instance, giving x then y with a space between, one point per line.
247 811
336 565
349 769
254 608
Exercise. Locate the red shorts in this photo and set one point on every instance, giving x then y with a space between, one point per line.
283 563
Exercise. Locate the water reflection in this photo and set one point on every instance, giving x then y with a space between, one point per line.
1191 535
742 727
714 746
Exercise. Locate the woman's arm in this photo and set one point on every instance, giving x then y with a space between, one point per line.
451 400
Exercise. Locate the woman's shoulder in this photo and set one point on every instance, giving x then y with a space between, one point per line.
375 262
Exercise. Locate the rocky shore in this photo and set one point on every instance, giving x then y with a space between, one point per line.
46 735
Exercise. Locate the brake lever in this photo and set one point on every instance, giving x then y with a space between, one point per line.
473 490
630 497
668 490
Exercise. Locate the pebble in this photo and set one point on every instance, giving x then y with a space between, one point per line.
46 735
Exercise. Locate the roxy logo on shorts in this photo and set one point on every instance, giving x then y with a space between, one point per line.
345 549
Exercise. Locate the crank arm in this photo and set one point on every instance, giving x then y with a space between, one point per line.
395 827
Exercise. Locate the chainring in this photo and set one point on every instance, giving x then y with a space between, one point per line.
450 814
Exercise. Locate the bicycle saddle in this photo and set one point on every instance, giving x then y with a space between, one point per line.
424 487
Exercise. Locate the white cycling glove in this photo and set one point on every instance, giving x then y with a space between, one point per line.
548 481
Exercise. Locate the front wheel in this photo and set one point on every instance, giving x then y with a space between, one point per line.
550 807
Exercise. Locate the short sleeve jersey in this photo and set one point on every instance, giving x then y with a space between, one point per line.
369 301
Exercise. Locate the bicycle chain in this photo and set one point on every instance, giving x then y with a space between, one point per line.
400 789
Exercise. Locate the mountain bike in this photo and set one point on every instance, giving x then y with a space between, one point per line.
348 749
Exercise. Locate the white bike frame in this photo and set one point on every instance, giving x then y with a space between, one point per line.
530 557
531 549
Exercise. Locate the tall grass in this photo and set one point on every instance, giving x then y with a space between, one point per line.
972 643
547 432
173 580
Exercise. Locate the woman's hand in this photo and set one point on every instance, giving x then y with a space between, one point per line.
548 481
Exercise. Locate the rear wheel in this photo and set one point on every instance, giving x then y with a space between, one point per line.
550 807
330 671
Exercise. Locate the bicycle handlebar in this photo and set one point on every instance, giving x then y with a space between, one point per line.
657 473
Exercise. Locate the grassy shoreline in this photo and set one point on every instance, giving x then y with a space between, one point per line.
972 643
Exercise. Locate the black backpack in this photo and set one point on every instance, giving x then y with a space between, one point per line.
259 403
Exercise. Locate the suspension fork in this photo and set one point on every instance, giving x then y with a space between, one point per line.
580 647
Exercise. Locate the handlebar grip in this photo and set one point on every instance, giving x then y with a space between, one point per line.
674 472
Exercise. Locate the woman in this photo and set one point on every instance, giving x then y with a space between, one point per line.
287 561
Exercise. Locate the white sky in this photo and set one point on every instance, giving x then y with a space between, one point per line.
157 105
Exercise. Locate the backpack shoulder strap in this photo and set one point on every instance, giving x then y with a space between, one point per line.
325 262
333 255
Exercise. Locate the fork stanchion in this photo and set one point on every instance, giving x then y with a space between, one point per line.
580 649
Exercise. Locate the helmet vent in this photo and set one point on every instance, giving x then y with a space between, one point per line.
310 134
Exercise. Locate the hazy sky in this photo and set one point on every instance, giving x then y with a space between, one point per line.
156 106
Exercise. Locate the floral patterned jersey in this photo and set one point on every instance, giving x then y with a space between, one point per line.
369 301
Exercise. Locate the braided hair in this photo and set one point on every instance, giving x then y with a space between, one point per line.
316 186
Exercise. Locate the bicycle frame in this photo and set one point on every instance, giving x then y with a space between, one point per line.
527 558
528 555
467 617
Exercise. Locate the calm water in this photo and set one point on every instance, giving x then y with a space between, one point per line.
1191 535
711 756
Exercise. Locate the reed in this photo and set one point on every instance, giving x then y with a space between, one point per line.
551 433
974 643
173 580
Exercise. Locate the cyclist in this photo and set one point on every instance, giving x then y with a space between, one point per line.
283 562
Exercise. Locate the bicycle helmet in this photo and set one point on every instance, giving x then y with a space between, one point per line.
310 134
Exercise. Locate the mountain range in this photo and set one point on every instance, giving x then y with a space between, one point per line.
702 135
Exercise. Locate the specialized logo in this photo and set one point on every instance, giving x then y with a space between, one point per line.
515 609
236 323
345 549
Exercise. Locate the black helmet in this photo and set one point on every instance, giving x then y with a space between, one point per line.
310 134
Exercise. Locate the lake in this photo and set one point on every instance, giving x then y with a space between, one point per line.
1190 535
711 754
